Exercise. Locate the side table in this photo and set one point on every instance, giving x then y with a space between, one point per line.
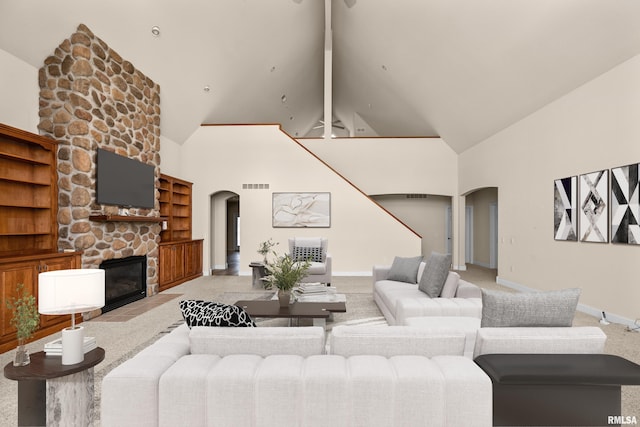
258 272
53 394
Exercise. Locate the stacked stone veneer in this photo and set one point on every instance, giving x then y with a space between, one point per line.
91 98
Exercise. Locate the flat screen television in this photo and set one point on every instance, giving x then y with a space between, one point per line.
124 182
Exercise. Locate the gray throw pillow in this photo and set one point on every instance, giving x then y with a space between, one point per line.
435 273
405 269
548 308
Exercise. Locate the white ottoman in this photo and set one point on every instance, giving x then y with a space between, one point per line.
467 325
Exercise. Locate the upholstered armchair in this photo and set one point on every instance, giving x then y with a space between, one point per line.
314 249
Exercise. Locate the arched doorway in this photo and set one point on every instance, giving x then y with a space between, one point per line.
481 225
225 233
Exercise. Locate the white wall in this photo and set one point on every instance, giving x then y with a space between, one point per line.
19 92
219 158
595 127
427 216
392 165
387 166
170 154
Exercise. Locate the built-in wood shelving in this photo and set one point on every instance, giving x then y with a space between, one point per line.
28 225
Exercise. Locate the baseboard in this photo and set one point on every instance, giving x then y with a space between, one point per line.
583 308
462 267
353 273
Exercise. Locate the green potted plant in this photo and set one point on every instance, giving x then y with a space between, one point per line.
25 319
265 248
285 273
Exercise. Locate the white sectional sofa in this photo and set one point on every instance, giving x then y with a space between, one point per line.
237 378
399 301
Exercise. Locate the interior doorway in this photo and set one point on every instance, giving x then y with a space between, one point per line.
225 229
481 218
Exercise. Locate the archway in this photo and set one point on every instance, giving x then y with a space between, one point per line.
224 241
481 225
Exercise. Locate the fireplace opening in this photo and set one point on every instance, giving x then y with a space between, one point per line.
125 281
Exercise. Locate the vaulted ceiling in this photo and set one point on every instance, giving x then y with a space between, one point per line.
459 69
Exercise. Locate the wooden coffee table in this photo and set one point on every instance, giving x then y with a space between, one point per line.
318 311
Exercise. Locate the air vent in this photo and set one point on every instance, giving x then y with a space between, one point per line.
255 186
417 196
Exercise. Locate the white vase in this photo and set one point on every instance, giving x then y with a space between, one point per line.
284 297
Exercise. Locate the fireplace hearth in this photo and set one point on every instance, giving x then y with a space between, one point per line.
125 281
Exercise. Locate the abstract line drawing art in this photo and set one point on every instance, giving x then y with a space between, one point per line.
594 212
625 205
565 214
301 210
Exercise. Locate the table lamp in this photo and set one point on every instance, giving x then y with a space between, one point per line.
71 292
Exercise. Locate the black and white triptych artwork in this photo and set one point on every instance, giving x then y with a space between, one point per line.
625 207
585 208
565 218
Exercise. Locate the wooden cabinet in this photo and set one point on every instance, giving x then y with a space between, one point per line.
175 205
28 193
25 270
180 257
28 224
179 262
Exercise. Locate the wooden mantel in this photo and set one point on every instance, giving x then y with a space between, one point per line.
126 218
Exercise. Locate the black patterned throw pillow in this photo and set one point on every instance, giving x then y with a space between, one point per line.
313 254
209 313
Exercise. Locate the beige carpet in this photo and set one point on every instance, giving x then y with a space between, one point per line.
122 339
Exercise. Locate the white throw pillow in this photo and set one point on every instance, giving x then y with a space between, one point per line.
450 285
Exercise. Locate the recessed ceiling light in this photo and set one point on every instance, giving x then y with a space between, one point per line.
207 88
283 98
155 30
384 67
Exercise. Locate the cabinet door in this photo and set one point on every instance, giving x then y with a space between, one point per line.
189 259
193 258
179 253
165 260
10 276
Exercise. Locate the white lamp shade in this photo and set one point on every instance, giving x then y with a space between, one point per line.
70 291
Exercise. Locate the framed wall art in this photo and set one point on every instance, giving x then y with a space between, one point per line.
594 210
625 205
304 210
565 212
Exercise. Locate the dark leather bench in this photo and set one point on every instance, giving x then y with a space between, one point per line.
557 389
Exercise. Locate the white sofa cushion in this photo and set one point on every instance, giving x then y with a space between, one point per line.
416 307
450 285
450 324
263 341
579 339
394 341
322 390
317 268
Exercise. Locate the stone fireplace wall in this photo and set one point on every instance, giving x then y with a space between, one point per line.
90 98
